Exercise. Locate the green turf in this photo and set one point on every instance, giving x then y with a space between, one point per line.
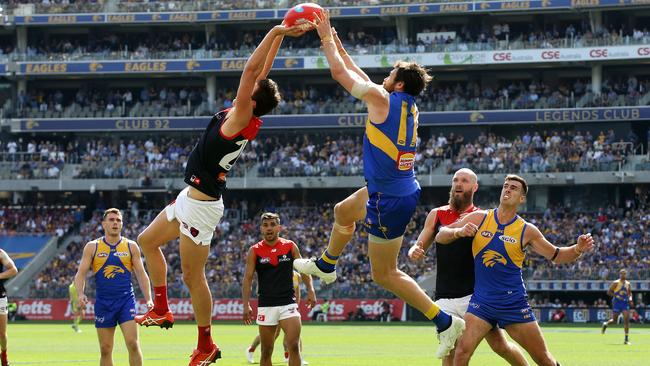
331 345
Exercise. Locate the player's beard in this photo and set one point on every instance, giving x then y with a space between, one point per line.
460 202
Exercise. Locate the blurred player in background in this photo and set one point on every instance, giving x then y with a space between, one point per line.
198 208
387 204
250 351
113 258
455 263
621 293
76 310
7 270
272 259
501 239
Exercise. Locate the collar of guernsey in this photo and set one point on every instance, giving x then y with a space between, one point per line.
112 266
498 255
389 148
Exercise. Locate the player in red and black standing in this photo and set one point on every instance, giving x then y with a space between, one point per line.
199 207
455 263
272 259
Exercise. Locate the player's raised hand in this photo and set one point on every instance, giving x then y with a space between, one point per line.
585 243
322 24
295 31
416 252
248 314
468 230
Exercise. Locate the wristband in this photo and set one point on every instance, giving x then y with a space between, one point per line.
456 232
326 39
557 251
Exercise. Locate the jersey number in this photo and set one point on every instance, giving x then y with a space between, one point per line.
229 159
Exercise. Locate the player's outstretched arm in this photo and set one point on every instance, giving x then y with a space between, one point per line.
141 274
9 265
465 227
538 243
247 283
374 95
347 60
80 276
425 239
306 279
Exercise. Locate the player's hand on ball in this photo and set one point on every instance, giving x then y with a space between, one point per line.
585 243
295 31
248 314
468 230
322 24
416 252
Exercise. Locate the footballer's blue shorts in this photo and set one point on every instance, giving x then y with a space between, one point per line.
502 314
387 216
620 306
111 312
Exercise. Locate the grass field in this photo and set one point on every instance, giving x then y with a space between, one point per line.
325 345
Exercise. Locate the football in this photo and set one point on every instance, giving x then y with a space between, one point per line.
301 14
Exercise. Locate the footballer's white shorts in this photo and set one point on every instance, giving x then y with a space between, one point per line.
457 307
197 219
271 315
3 306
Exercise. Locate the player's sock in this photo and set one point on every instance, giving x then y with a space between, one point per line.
286 355
251 349
205 339
327 262
441 319
77 320
626 338
3 357
160 305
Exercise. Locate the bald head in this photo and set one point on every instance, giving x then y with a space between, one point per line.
466 172
463 186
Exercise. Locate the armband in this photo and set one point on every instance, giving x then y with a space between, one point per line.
557 251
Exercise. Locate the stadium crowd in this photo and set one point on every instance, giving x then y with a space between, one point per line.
163 101
322 154
622 236
43 220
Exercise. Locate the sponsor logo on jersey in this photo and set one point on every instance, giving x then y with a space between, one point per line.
491 257
508 239
102 255
111 271
405 160
284 258
121 254
265 260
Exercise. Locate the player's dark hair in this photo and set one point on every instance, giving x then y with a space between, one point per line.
516 178
110 211
266 97
414 77
271 216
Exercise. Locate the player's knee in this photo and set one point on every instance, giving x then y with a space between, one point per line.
502 347
266 351
544 358
293 346
462 354
344 214
191 276
132 345
381 277
143 241
105 349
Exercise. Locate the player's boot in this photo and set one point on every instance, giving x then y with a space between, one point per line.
286 357
604 328
308 266
304 362
627 343
152 318
203 359
449 337
249 355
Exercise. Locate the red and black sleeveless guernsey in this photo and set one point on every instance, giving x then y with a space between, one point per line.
274 266
215 154
455 261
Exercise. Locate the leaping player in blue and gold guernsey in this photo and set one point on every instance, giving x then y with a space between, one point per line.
621 293
113 258
387 204
501 239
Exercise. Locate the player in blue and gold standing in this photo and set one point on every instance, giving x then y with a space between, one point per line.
501 239
621 293
387 204
113 258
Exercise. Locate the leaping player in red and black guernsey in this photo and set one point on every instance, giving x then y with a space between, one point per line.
455 263
272 259
199 207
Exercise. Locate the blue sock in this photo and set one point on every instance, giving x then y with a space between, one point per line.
442 321
324 262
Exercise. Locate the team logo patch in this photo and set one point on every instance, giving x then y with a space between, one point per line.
99 319
486 234
508 239
194 231
196 180
102 255
111 271
491 257
265 260
405 160
260 318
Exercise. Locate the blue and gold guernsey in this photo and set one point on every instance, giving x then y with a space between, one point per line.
388 158
621 298
115 300
499 294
